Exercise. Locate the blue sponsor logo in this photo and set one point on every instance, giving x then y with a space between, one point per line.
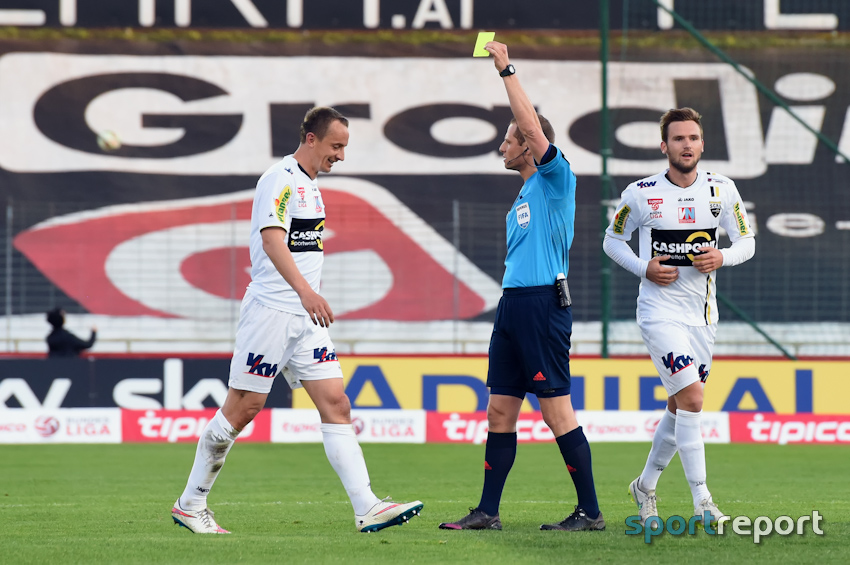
644 184
257 367
675 363
322 355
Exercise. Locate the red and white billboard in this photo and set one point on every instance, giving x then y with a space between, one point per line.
371 426
611 425
789 428
61 425
184 426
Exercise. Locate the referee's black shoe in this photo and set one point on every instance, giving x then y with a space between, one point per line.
475 520
578 521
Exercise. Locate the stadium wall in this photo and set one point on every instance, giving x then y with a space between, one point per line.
738 15
147 240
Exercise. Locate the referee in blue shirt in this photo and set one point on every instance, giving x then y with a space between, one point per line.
529 348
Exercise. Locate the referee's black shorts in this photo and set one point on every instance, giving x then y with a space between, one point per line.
530 345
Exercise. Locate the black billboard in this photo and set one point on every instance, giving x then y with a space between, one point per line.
425 14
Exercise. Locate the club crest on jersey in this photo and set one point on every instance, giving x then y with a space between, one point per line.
523 215
654 203
687 215
620 220
281 201
257 367
715 208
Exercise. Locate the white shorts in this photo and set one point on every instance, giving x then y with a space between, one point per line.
269 342
681 353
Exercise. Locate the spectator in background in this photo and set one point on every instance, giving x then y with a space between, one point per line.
61 342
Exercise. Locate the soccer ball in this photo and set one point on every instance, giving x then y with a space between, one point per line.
108 141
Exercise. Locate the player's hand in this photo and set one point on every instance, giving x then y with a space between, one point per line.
318 309
94 328
709 259
661 274
500 54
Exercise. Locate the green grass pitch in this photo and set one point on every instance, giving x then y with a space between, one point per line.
284 504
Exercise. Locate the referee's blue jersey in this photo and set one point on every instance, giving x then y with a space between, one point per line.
541 224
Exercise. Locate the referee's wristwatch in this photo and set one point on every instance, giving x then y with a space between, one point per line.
508 71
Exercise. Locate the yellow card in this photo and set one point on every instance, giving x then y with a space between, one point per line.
483 38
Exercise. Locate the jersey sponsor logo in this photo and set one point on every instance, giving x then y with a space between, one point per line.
675 363
321 355
523 215
620 220
687 215
281 201
654 203
306 234
681 245
717 180
715 208
655 215
318 201
257 367
644 184
703 373
689 199
739 218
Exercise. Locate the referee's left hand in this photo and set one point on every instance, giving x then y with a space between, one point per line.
709 259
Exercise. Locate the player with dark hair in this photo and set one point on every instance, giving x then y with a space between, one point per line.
61 342
283 323
678 214
529 348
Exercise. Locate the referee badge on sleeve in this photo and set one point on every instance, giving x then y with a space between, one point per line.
523 215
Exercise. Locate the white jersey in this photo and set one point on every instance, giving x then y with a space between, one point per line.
288 198
676 221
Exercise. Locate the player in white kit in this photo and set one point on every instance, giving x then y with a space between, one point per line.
283 327
678 214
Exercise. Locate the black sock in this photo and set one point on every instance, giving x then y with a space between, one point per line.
576 453
499 457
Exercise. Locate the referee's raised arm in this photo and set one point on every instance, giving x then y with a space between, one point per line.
522 108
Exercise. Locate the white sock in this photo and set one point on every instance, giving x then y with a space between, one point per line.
346 458
662 451
214 444
692 452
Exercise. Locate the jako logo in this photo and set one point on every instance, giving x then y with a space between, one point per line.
676 364
260 368
644 184
322 355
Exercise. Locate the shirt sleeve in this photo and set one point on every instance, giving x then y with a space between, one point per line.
275 200
741 250
622 254
627 217
560 179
